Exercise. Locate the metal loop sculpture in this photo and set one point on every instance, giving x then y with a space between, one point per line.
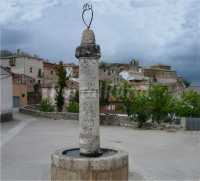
87 8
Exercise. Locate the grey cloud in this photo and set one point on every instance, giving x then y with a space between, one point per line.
143 3
13 38
152 31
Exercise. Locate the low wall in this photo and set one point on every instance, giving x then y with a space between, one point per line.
52 115
105 119
190 123
4 117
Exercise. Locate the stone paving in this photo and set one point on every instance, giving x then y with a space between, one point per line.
27 143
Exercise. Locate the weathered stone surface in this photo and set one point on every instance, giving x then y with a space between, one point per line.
88 37
89 106
113 167
88 51
88 47
52 115
89 54
105 119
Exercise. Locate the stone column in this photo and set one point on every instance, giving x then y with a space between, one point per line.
88 54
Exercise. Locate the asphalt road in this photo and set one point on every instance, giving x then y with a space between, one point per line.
27 143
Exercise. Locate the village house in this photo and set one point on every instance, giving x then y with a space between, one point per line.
48 88
6 94
135 76
164 75
23 90
72 70
109 72
23 63
50 77
49 92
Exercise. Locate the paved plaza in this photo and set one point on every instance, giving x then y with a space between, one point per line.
28 142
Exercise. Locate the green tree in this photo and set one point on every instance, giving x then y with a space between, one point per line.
61 84
76 96
186 82
114 91
126 93
189 104
140 111
160 101
105 90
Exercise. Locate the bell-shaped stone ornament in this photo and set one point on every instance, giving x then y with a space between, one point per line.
88 37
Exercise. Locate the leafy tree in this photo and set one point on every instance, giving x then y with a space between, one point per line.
105 90
140 111
189 104
61 84
126 93
186 82
160 102
108 92
76 96
114 91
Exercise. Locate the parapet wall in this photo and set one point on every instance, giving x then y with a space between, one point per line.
4 117
105 119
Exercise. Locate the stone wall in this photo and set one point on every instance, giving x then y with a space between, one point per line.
4 117
5 95
105 119
52 115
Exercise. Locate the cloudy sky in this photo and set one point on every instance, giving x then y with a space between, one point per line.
152 31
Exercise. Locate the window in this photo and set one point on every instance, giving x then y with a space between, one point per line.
51 72
31 70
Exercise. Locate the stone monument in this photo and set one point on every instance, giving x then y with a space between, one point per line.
90 161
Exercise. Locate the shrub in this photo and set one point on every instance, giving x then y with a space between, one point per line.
189 104
46 106
73 107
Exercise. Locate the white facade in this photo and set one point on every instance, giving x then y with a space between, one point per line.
69 71
6 99
29 66
50 93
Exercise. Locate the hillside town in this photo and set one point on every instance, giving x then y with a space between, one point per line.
34 78
116 97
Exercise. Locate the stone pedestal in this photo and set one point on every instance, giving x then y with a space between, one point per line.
89 162
111 166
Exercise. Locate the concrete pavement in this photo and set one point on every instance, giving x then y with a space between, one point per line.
26 146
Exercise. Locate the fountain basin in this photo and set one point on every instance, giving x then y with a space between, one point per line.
68 164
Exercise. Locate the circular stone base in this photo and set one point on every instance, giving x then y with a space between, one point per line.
70 165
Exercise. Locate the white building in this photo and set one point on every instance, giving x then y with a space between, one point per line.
22 63
50 94
6 94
